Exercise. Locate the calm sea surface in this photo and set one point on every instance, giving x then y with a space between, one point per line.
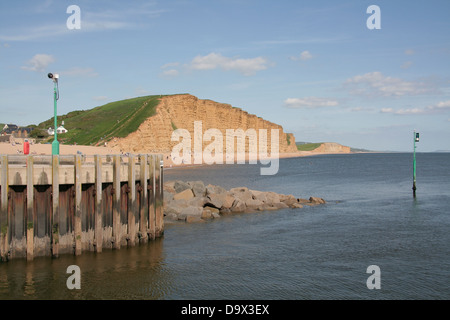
323 252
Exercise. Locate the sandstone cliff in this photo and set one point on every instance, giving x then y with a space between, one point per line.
181 111
331 147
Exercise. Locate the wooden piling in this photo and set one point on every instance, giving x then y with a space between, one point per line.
116 203
54 205
30 221
151 209
143 223
159 223
98 204
4 223
78 199
131 201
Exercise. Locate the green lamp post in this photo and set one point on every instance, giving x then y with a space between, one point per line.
55 144
416 139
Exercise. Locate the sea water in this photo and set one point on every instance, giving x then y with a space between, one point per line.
321 252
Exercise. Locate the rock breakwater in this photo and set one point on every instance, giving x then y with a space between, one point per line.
193 201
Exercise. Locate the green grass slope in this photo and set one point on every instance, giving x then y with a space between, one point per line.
115 119
307 146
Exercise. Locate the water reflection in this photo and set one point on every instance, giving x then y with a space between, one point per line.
128 273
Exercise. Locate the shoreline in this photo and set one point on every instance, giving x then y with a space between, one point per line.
46 149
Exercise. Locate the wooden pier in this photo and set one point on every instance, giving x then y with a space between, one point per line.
52 205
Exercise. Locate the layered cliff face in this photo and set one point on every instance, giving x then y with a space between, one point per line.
190 113
331 147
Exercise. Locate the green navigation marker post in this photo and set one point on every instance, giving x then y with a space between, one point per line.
416 139
55 144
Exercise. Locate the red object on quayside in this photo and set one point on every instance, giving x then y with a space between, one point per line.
26 147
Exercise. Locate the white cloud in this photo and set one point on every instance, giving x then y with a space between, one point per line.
122 17
170 73
336 39
431 109
39 62
305 55
170 65
409 52
215 60
36 32
406 65
443 104
170 69
374 84
358 109
309 102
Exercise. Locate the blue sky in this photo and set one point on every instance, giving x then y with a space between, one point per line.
313 67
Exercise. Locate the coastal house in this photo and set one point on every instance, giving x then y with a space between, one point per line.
59 130
16 131
9 129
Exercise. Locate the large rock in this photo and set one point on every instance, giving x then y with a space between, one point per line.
241 193
171 216
198 188
183 203
315 200
186 195
180 186
259 195
238 206
197 201
211 189
173 210
210 213
254 204
272 198
288 199
168 196
216 200
193 202
190 211
193 219
280 205
228 203
169 187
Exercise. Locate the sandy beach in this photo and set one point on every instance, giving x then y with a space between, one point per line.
46 149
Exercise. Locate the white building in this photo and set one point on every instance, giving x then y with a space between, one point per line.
60 129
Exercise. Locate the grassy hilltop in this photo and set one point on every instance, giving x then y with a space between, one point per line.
307 146
115 119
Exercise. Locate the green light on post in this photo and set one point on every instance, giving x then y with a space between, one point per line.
416 139
55 144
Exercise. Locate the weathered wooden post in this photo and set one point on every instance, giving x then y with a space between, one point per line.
131 201
161 194
4 219
144 198
151 198
116 203
30 209
98 204
159 222
78 198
